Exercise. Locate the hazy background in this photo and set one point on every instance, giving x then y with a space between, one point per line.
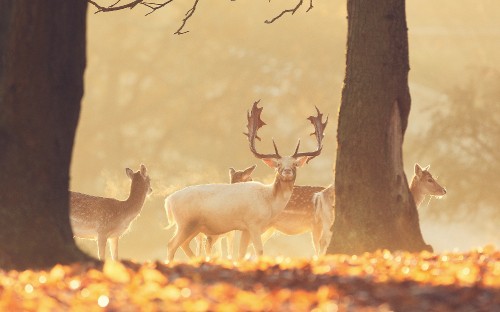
178 104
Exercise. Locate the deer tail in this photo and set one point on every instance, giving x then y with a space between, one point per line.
316 199
170 216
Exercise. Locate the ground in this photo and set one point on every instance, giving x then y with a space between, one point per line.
380 281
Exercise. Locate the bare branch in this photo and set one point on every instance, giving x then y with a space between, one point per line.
291 11
189 13
113 7
310 5
155 6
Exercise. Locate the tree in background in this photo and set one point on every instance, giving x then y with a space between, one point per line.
462 140
42 50
374 208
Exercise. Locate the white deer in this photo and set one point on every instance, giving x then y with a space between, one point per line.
423 184
107 219
301 215
235 176
324 216
215 209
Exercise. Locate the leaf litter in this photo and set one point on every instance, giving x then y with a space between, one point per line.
379 281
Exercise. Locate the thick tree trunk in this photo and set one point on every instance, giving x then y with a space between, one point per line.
374 208
42 61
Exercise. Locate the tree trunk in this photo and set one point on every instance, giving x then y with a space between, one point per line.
42 50
374 208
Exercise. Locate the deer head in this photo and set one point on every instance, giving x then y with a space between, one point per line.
140 179
426 183
285 166
236 176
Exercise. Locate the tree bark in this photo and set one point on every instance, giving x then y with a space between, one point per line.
42 62
374 208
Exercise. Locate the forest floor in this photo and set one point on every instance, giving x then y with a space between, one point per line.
380 281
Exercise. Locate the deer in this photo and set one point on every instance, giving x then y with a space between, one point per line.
250 207
107 219
423 184
324 216
299 217
235 176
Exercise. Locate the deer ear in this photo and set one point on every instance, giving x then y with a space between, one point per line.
249 170
129 173
418 170
299 162
144 170
231 171
271 162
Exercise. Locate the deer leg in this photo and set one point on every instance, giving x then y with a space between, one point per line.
101 246
244 240
316 238
267 235
257 241
183 233
113 247
187 248
211 239
199 243
229 244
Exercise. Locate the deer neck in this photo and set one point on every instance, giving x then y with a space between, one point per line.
136 197
282 190
416 192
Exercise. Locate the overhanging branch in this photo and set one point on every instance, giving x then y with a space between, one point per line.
113 7
186 18
153 6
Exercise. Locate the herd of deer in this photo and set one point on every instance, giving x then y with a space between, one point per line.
218 210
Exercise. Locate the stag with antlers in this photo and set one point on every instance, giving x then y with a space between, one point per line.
215 209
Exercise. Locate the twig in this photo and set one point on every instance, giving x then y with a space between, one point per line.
113 7
292 11
310 5
155 6
189 13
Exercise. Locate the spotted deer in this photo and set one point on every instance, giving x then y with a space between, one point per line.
423 184
250 207
107 219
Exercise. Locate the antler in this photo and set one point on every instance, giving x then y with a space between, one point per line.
254 123
319 127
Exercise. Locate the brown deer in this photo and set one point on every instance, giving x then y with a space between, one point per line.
423 184
250 207
107 219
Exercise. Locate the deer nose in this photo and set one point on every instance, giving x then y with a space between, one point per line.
287 171
444 191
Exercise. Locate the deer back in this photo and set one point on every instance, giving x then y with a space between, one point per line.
301 199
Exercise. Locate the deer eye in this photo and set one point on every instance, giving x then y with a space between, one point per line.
430 180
